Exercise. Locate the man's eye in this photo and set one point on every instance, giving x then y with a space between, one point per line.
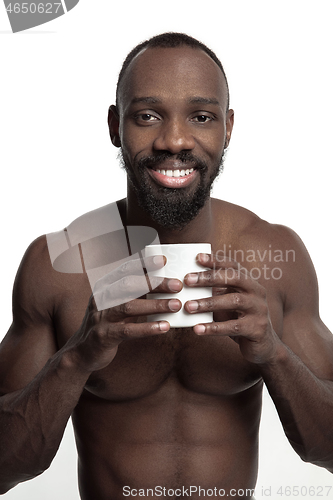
202 118
146 117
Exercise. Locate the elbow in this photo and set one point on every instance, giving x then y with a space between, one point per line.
8 484
318 459
325 463
316 455
5 486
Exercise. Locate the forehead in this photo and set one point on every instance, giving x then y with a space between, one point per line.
177 73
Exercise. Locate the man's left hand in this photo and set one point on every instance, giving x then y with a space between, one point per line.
236 292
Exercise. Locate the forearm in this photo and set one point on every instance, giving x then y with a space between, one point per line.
33 420
305 407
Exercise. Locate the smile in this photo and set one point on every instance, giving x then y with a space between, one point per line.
175 173
175 178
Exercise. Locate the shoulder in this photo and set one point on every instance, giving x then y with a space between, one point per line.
246 226
35 282
36 260
64 246
260 243
38 283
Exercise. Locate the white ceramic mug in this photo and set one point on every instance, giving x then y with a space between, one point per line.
181 260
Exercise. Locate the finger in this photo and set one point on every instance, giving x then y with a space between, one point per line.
251 335
230 328
250 327
131 266
167 285
132 287
136 286
138 330
127 288
217 260
142 307
239 302
154 262
235 278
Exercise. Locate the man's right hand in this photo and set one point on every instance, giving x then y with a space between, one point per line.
96 342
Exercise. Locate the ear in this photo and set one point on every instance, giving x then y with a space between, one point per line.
229 127
113 122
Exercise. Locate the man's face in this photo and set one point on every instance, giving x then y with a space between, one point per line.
173 127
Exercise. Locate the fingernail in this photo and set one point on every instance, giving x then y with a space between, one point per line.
204 257
199 329
158 260
164 326
192 278
192 305
175 285
174 305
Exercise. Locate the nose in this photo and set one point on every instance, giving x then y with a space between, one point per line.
174 136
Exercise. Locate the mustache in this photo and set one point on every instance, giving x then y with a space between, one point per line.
185 157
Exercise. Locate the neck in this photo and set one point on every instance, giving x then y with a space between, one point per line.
198 230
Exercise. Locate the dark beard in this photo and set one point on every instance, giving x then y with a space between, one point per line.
171 208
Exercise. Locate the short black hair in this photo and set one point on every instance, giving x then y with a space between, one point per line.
169 40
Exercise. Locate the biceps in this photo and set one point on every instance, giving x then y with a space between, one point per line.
311 341
23 353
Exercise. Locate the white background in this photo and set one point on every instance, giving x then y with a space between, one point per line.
57 82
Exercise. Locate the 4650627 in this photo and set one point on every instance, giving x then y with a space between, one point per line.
33 8
305 491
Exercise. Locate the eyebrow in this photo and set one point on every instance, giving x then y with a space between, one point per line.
191 100
147 100
203 100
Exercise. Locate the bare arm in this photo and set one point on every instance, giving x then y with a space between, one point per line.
34 407
40 385
300 377
297 366
303 396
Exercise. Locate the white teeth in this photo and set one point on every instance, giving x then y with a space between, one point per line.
175 173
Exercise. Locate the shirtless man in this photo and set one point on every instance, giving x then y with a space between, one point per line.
154 406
